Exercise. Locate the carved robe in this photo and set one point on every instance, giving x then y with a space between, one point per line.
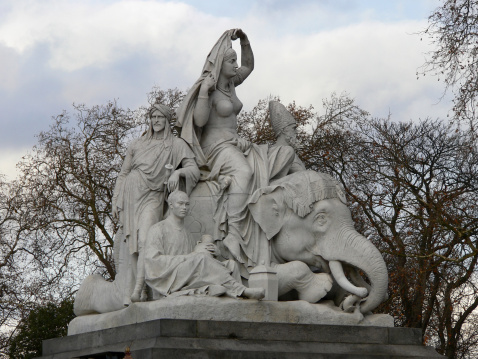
139 188
172 268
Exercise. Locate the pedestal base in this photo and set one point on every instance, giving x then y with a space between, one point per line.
227 310
174 338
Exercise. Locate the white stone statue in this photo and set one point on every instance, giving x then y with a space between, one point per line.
284 126
140 189
254 204
307 220
207 244
174 267
208 118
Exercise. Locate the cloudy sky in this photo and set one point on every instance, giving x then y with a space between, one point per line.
57 52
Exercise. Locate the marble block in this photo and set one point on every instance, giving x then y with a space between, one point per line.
227 309
265 277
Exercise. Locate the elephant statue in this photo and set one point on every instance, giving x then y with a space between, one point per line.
306 218
307 223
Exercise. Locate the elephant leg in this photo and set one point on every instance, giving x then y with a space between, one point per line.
350 303
310 286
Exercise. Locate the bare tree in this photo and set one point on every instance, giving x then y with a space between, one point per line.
65 188
453 28
10 244
414 189
56 225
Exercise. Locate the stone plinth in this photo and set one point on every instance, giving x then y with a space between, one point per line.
173 338
265 277
207 327
226 309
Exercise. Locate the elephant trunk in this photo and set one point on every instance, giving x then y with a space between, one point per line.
354 249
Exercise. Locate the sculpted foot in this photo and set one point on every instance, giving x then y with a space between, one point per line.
314 287
138 290
225 182
254 293
136 297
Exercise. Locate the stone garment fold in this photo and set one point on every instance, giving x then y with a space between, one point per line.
172 269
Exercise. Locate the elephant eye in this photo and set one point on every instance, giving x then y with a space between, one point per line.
321 218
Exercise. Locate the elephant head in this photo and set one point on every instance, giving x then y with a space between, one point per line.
306 218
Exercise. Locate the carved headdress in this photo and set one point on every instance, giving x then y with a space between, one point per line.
280 117
168 113
165 110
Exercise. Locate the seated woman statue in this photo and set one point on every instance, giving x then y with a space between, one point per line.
208 118
139 194
173 266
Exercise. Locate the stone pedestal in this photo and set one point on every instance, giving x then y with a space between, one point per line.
265 277
174 338
226 310
207 327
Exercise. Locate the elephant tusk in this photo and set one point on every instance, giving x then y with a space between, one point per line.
338 273
357 279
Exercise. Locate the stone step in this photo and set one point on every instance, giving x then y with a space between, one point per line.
174 338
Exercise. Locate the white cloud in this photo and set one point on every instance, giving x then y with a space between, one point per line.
374 62
9 69
82 34
10 158
61 52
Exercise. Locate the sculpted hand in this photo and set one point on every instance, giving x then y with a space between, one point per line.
238 33
205 248
243 144
114 211
173 182
211 248
208 83
200 248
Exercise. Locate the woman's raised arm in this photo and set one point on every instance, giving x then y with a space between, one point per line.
247 58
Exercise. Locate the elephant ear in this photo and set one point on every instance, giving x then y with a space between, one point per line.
268 209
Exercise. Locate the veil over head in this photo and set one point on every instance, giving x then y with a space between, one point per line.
185 111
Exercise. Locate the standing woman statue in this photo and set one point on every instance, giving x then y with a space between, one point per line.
208 117
139 194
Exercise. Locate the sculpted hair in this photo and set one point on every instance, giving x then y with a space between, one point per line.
229 54
175 195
